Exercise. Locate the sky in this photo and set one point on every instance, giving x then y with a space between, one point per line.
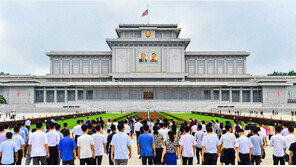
29 29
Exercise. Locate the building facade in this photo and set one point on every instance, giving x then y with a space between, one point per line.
148 68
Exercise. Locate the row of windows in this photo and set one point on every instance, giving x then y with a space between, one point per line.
215 67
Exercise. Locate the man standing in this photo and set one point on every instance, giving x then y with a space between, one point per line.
20 144
164 130
109 139
243 149
8 151
138 126
26 135
53 139
67 149
257 150
194 128
86 150
28 124
65 126
38 146
121 147
127 128
187 145
146 146
2 134
210 148
227 146
290 139
198 136
279 144
99 144
77 131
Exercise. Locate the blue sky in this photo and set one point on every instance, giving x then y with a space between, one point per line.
29 29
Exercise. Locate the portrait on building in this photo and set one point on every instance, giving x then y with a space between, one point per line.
143 57
153 57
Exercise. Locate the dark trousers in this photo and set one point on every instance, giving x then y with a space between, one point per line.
138 134
71 162
28 127
88 161
198 152
53 156
20 156
229 156
210 159
157 158
150 160
244 159
187 160
276 160
110 162
98 160
76 137
256 159
38 160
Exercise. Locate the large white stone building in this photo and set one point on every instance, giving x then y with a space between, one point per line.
148 68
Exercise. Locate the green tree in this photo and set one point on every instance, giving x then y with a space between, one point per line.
2 100
276 73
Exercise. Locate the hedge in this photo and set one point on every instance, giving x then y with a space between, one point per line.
58 117
265 121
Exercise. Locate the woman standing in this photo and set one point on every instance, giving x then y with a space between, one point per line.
158 141
109 125
170 150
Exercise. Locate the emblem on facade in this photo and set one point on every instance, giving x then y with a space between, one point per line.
148 34
143 57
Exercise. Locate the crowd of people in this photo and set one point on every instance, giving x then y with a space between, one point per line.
159 142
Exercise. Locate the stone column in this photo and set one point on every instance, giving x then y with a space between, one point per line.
241 94
230 94
76 94
44 94
55 95
220 94
251 95
84 93
212 94
66 94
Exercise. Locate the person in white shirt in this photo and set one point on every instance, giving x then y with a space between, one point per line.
228 145
151 125
285 131
198 136
279 144
164 131
290 139
53 139
187 145
217 126
38 146
99 145
127 128
28 124
86 150
194 128
138 126
243 149
203 124
247 130
210 147
77 131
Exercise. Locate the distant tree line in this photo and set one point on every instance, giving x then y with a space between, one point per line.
3 73
276 73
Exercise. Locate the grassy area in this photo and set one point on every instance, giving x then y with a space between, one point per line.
72 122
204 117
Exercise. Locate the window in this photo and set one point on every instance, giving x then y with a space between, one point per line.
148 95
230 67
220 66
240 66
191 67
211 66
201 66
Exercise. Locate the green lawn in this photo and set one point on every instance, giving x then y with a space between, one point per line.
205 118
72 122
